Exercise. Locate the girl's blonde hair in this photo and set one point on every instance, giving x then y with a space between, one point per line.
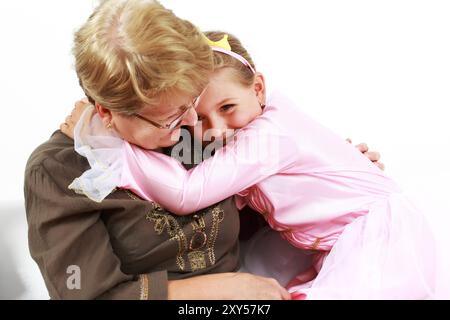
243 74
132 53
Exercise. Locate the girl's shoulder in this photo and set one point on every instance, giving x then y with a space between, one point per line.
282 109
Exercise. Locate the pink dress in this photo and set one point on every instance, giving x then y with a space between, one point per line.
322 195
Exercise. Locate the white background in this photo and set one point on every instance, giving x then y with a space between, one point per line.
375 71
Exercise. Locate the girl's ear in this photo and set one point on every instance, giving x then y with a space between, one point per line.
105 114
260 88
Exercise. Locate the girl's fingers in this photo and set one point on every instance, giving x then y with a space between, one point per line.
80 104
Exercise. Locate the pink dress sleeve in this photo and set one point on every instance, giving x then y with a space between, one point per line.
257 151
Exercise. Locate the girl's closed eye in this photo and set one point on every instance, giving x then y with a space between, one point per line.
227 107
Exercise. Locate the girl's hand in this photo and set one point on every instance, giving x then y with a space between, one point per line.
373 156
68 126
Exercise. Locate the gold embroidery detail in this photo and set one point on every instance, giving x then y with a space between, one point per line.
217 216
316 244
198 240
198 223
132 195
199 237
144 287
163 221
197 260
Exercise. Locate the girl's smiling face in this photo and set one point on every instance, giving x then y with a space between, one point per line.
227 105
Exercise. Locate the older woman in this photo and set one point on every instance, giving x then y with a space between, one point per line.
142 67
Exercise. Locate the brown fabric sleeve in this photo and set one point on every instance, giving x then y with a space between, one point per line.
158 286
66 232
152 286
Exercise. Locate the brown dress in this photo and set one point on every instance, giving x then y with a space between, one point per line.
124 247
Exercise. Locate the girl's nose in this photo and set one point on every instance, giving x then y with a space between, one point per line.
218 129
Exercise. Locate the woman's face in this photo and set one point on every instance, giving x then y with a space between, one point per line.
226 106
145 135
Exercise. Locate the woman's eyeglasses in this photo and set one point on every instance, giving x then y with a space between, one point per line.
176 122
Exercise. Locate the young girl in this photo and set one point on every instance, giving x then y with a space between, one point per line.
368 241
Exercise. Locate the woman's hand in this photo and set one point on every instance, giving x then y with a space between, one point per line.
227 286
373 156
68 126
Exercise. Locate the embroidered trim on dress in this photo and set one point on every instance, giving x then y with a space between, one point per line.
144 286
164 221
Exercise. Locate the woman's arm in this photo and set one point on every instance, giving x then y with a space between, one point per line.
227 286
64 240
70 243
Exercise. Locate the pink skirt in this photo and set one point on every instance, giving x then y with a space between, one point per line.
388 254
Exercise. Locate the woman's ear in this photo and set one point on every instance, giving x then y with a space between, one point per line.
105 114
260 88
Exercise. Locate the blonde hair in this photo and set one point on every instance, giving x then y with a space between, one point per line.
132 53
243 74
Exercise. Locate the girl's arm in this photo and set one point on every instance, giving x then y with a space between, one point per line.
256 153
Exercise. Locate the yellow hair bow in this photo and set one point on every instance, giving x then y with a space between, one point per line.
223 43
224 46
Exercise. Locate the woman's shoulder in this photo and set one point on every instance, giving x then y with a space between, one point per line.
58 149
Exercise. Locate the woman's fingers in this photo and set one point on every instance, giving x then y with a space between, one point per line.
286 295
373 156
380 165
276 287
363 147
